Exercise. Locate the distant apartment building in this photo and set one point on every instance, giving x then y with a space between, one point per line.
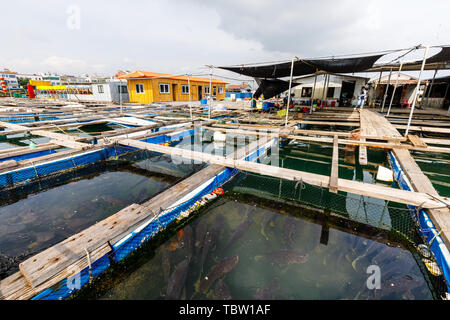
34 77
54 79
10 79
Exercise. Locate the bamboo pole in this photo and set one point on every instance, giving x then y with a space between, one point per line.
289 93
417 90
386 91
395 88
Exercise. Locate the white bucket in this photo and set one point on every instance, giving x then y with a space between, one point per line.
219 136
385 174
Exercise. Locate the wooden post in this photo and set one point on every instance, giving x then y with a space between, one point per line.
289 93
395 87
312 93
375 91
431 85
334 176
417 90
189 88
387 88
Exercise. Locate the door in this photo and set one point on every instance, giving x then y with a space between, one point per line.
347 92
174 92
200 96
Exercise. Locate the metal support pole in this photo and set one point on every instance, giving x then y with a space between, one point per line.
417 90
386 91
395 88
312 93
210 90
431 85
189 88
445 96
324 84
289 93
376 90
326 88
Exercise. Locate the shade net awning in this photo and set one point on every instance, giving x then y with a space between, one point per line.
304 67
271 88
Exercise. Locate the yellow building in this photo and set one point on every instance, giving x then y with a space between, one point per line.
148 87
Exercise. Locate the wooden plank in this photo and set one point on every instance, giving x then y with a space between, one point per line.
45 265
376 191
416 141
363 153
421 183
26 150
8 164
334 167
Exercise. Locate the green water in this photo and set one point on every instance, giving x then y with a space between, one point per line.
436 166
335 266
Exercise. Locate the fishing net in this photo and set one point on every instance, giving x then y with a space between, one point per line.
395 218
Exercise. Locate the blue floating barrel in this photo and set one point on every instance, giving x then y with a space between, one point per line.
203 101
265 106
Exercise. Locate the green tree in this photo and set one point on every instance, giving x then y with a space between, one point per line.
23 82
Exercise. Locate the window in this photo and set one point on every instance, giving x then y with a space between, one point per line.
184 89
330 92
164 88
100 89
206 89
220 90
306 92
122 89
139 88
214 90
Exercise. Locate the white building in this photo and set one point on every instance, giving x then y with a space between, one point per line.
341 90
54 79
10 79
404 93
113 91
35 77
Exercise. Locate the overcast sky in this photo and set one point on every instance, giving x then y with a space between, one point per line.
76 37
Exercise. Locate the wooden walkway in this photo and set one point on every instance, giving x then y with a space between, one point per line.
373 124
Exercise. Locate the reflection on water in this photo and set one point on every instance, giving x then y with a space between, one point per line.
245 250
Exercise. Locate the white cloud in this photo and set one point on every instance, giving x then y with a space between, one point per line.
63 64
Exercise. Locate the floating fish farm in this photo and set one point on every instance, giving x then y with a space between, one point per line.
152 202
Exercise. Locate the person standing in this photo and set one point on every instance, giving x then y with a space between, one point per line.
362 97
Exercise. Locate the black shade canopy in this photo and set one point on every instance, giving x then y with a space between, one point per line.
303 67
270 88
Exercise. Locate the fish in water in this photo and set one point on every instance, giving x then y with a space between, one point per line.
239 232
218 223
267 220
208 246
268 292
188 241
176 241
165 257
177 280
217 272
200 232
288 231
221 291
284 257
403 284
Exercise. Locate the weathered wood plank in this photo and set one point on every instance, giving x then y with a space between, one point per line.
334 167
376 191
416 141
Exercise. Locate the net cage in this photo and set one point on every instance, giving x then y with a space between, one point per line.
397 219
392 217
